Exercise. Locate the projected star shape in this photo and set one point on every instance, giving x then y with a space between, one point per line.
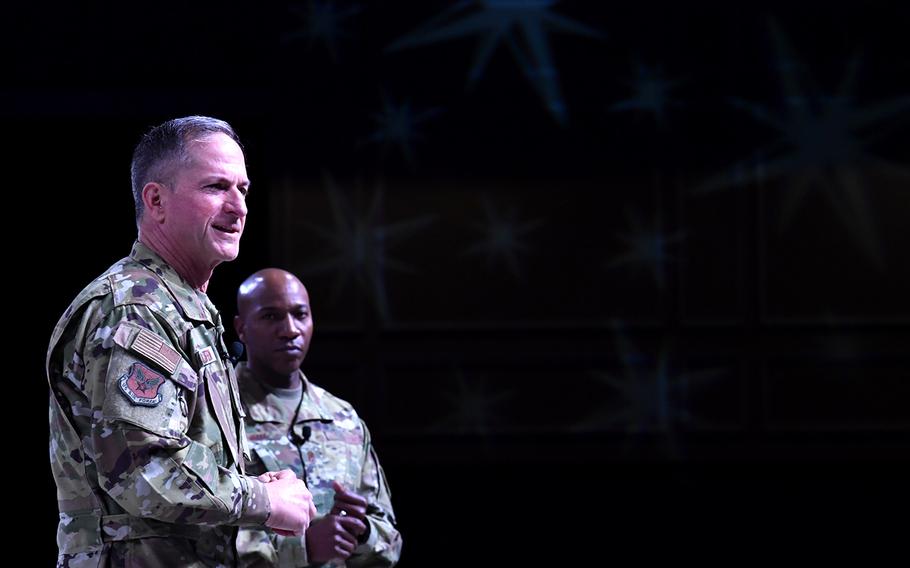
652 94
647 247
822 146
472 407
360 242
502 239
652 399
323 23
397 124
521 25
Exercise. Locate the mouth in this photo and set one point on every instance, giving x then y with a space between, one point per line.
230 230
293 349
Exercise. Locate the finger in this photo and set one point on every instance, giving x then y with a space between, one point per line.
345 540
351 503
345 496
342 552
351 511
284 474
265 477
353 525
352 514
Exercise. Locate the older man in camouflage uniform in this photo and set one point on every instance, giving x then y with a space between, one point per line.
293 423
147 440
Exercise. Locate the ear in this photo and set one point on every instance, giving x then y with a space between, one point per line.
153 198
239 327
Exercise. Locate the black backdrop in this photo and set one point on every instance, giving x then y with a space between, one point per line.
633 280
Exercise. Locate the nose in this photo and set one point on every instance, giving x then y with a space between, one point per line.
235 203
288 327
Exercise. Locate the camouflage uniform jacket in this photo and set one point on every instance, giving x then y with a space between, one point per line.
337 447
146 428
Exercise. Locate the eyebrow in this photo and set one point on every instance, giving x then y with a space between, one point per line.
211 179
276 308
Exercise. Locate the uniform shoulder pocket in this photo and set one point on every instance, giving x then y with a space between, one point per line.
148 382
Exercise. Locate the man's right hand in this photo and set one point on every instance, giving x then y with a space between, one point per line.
331 537
290 501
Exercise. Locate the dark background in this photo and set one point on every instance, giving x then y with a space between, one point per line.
638 287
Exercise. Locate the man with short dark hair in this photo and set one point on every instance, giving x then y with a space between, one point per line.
147 439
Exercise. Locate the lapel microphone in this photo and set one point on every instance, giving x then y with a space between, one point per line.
305 432
235 352
299 440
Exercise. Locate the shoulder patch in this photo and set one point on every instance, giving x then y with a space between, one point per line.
140 385
153 347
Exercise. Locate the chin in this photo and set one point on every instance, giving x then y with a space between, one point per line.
285 370
227 254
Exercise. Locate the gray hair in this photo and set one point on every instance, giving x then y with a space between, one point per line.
165 147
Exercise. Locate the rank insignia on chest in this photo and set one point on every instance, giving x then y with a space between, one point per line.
205 356
140 385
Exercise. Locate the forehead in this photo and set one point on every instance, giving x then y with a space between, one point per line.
217 152
281 294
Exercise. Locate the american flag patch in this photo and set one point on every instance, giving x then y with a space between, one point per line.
153 347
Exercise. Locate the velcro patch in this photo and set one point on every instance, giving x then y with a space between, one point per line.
205 356
140 385
186 377
153 347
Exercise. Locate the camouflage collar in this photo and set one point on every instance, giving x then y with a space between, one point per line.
264 406
195 304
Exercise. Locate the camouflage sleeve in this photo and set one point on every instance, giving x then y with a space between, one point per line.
142 387
257 547
383 545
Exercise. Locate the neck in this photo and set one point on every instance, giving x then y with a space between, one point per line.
273 379
194 272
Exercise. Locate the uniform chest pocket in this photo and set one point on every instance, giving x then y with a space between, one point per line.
333 454
219 387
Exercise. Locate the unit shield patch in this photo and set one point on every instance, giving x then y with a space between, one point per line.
140 385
